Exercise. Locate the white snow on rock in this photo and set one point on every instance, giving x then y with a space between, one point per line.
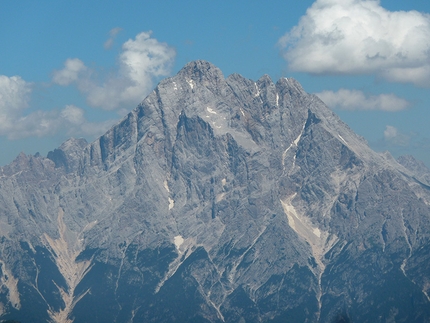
178 241
210 110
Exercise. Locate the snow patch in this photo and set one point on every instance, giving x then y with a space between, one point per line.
341 138
223 182
241 110
277 99
178 241
191 84
171 203
210 110
298 138
294 143
166 186
220 197
257 89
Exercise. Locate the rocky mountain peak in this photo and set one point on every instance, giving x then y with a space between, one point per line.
215 200
200 72
68 154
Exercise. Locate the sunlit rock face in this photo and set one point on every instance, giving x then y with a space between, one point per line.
216 200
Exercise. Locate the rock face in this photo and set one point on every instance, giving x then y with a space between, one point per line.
216 200
422 173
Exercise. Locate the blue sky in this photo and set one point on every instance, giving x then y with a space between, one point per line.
74 68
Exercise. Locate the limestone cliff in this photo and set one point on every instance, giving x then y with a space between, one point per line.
216 200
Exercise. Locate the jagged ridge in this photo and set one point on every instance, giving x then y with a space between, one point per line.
216 199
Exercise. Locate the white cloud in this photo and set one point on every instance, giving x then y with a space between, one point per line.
14 98
73 114
71 72
393 136
69 121
73 119
14 95
15 123
356 100
416 75
142 60
390 132
112 35
360 37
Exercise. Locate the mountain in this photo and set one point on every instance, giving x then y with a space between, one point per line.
216 200
420 170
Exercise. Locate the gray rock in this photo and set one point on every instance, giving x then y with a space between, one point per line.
420 170
216 199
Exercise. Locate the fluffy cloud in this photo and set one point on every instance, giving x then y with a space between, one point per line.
15 123
393 136
14 97
73 69
142 60
112 34
360 37
357 100
14 94
73 119
69 121
390 132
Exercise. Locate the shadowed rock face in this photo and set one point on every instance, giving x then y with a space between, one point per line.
216 200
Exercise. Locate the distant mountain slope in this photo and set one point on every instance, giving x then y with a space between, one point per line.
421 171
215 200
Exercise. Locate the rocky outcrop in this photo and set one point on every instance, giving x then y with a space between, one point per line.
215 200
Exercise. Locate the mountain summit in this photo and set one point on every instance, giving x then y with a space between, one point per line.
216 200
